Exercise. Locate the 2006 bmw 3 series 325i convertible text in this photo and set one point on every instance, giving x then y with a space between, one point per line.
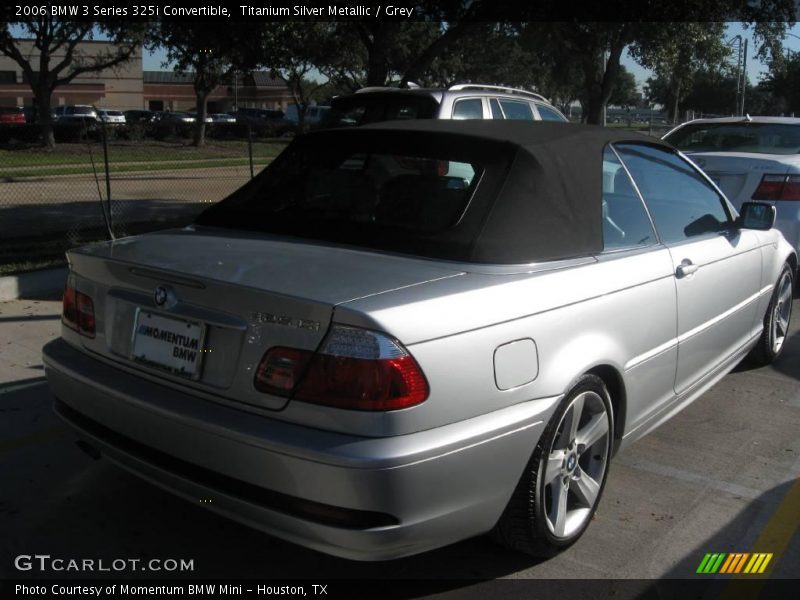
403 335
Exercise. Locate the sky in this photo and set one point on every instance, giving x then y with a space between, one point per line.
755 68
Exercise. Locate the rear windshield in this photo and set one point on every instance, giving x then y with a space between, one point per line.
760 138
361 110
10 110
322 193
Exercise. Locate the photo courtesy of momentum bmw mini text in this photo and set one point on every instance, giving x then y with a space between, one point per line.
345 299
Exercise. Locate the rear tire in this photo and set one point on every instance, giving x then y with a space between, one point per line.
563 481
776 321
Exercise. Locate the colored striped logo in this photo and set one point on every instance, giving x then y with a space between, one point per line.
736 562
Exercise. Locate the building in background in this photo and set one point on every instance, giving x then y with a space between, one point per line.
117 88
167 90
127 86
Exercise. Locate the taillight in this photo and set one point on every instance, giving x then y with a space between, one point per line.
86 322
281 369
69 313
78 312
355 368
778 187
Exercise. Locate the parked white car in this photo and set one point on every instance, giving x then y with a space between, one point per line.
111 117
749 158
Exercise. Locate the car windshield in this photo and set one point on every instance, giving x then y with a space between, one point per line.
759 138
313 192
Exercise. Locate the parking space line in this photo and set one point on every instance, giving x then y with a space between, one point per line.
684 475
22 386
782 525
773 540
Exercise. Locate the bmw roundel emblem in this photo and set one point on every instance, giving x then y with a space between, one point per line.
160 295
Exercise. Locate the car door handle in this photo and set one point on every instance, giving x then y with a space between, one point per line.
686 268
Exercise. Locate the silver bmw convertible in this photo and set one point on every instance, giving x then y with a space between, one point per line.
403 335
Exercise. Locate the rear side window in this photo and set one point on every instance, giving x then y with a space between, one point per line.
372 190
497 112
625 221
471 108
682 203
549 114
518 111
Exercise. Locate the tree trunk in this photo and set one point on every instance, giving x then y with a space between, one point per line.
43 116
676 96
200 123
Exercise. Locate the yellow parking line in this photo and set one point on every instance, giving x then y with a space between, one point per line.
43 435
772 542
782 525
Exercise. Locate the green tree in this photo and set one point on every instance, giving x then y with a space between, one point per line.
783 82
197 47
61 57
675 52
626 91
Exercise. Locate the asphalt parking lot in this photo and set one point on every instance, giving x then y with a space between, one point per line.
722 476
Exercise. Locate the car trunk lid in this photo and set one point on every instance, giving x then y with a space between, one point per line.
213 302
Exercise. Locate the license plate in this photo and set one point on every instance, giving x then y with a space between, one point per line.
170 344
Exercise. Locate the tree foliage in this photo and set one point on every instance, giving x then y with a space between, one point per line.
197 47
783 83
61 57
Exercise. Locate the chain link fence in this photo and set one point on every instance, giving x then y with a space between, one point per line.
128 179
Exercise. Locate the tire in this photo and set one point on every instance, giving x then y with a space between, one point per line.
563 481
776 321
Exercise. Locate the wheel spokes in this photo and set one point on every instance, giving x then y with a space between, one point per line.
553 468
572 484
576 410
592 432
585 488
558 513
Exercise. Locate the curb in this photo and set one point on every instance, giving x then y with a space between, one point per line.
31 285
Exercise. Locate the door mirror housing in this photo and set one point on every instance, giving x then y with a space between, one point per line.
756 215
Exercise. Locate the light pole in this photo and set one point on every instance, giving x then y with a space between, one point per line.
741 72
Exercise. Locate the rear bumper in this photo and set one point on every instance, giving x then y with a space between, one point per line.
354 497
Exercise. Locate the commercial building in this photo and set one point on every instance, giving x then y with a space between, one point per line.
111 88
127 86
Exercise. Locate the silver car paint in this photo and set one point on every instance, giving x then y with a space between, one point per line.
627 313
617 310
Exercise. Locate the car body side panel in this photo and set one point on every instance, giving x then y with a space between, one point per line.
605 318
712 325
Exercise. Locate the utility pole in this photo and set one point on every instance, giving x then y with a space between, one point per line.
744 78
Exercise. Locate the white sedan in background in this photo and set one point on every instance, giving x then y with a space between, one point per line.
749 158
111 117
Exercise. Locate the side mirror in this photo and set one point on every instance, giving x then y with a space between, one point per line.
757 215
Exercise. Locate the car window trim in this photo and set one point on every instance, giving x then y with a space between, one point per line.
484 106
659 241
730 211
534 111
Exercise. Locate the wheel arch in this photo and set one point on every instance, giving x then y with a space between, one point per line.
792 261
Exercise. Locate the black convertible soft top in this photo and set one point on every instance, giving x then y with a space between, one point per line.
539 197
